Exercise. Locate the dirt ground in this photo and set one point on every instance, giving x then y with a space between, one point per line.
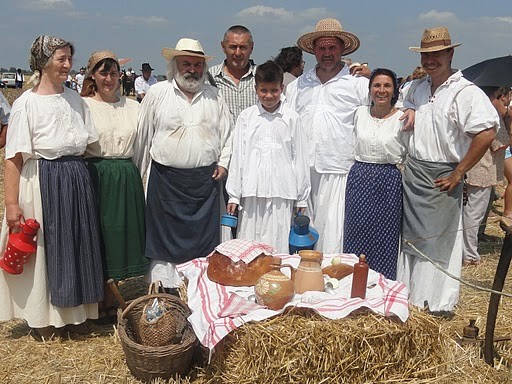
97 357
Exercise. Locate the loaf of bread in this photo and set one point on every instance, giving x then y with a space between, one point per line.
222 270
338 271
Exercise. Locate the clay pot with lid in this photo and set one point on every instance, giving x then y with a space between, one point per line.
274 289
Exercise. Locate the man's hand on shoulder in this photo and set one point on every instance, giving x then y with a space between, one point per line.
361 70
408 117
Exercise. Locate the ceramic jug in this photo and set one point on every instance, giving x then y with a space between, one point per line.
274 289
308 276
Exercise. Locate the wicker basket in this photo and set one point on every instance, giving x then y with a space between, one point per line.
167 329
147 363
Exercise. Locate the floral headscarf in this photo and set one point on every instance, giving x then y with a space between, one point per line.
42 49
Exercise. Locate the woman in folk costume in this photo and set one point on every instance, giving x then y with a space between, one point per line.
373 199
46 178
115 177
454 125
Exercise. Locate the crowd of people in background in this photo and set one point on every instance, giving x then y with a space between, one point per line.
371 158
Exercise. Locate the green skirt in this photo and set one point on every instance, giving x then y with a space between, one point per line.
120 198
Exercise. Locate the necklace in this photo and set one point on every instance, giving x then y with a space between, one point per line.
379 121
384 116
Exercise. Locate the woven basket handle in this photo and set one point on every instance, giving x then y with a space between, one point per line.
156 287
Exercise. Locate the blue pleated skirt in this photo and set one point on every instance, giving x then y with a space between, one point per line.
373 214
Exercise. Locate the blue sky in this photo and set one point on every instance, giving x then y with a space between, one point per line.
140 29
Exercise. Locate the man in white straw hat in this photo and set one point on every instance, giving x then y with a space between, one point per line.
326 97
454 125
184 130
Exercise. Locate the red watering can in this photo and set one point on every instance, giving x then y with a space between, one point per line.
20 247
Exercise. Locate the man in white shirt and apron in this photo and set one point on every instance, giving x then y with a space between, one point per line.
184 130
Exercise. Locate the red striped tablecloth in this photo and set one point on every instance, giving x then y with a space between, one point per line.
218 309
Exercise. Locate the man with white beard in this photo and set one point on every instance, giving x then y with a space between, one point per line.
184 130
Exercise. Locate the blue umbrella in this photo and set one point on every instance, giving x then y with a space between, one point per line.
495 72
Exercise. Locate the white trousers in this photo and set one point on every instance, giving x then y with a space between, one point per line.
326 209
474 213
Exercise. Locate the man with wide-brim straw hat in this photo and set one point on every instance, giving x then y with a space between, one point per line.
329 28
434 40
454 125
184 132
332 28
326 97
185 47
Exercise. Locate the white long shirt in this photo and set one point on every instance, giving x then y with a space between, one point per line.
116 125
49 126
181 134
269 156
79 81
447 121
142 85
380 141
327 112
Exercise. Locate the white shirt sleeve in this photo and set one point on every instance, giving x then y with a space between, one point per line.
301 164
139 84
473 110
234 181
226 134
145 131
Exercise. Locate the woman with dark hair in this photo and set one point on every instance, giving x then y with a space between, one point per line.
46 179
373 209
290 61
115 177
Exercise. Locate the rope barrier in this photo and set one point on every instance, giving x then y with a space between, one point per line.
435 264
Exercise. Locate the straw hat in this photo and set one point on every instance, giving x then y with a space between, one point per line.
185 47
435 39
329 28
96 57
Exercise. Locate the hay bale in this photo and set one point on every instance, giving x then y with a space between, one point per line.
303 347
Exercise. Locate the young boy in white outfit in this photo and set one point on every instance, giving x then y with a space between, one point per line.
269 173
